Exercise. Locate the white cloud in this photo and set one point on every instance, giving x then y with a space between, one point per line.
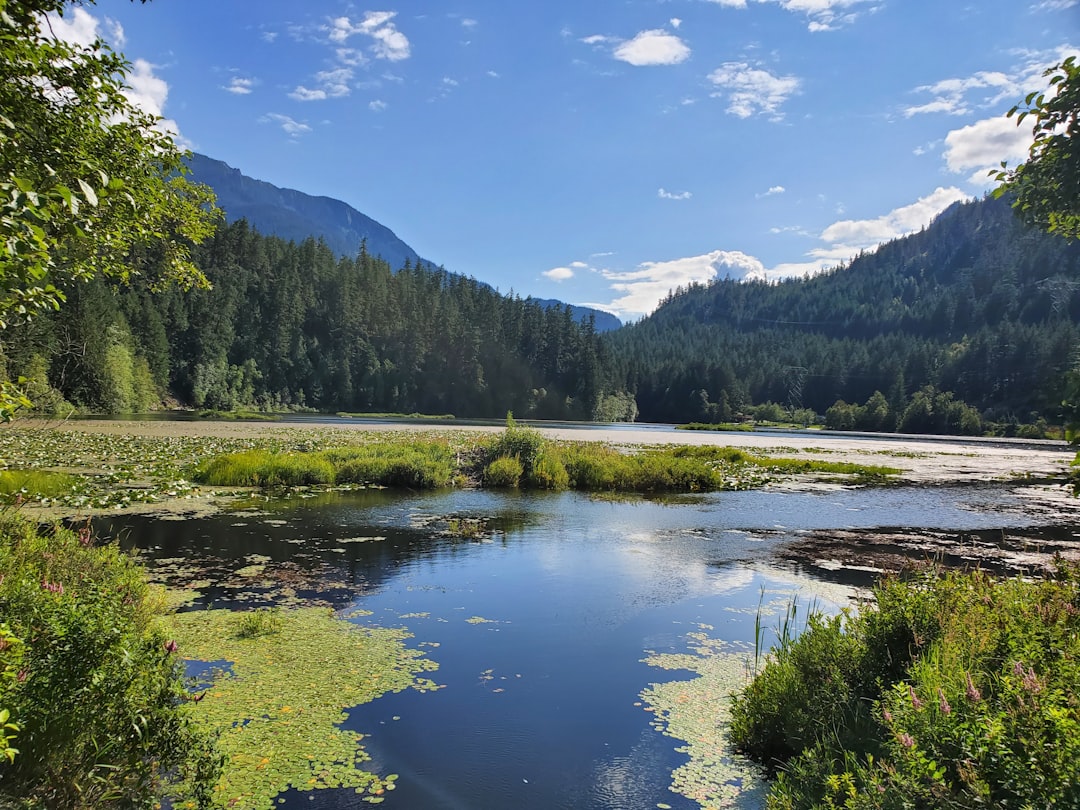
559 273
983 145
1054 5
332 84
773 190
378 105
80 28
640 290
240 86
302 93
643 288
663 194
753 90
850 235
388 42
289 126
468 22
655 47
675 22
493 74
595 39
269 36
824 15
579 265
951 96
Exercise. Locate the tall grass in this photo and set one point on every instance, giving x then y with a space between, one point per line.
35 483
956 690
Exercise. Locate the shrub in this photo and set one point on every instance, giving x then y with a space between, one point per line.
98 692
524 444
503 473
956 691
549 472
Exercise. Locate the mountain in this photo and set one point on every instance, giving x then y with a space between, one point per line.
603 321
296 216
975 304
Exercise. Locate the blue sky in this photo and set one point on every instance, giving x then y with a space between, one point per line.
604 152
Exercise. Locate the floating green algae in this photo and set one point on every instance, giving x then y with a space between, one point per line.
697 711
279 703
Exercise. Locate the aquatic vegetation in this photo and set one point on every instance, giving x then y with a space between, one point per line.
504 472
109 471
35 483
937 696
697 712
279 722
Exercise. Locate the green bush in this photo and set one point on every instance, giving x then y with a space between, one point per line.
98 690
957 690
524 444
549 472
503 473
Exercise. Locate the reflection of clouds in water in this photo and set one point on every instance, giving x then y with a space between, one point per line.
619 785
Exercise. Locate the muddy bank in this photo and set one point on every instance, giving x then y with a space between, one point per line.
858 557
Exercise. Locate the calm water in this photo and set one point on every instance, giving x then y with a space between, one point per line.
538 709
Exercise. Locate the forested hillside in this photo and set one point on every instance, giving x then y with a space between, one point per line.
976 304
289 325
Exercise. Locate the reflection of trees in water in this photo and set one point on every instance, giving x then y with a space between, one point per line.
331 549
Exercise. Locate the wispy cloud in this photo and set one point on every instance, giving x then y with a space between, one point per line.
655 47
664 194
954 96
773 190
822 15
378 105
289 126
753 90
240 86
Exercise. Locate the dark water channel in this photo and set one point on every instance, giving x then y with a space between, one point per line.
538 709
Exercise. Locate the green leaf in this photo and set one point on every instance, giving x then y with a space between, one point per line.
88 192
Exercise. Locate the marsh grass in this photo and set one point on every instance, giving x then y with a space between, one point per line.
36 483
937 697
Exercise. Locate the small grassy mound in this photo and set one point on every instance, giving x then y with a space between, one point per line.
35 483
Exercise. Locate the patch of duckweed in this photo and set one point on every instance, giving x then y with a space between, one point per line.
279 716
698 712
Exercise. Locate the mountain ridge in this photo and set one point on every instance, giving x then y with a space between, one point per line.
295 216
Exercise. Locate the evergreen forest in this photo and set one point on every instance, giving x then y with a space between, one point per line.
973 319
976 309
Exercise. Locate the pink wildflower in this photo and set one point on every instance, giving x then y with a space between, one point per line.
1031 681
1018 669
972 691
84 535
916 704
171 646
906 740
888 715
943 704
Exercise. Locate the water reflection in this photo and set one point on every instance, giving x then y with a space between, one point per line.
539 611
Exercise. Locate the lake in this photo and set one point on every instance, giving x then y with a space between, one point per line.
540 608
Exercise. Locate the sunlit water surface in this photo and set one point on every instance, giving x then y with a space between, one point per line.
541 705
